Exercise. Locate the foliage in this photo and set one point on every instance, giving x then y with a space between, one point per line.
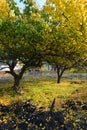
19 42
8 10
67 35
4 9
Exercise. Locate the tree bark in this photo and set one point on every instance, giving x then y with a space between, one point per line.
60 72
17 78
16 83
58 79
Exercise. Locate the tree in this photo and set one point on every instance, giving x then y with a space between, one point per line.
66 54
19 42
67 37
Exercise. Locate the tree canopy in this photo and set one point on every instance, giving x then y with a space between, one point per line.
67 36
19 42
56 34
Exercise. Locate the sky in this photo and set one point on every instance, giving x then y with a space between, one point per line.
40 3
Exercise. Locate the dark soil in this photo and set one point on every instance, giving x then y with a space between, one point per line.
26 116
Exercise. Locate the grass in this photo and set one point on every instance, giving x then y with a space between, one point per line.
43 91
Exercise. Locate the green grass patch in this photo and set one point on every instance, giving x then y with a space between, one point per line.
43 91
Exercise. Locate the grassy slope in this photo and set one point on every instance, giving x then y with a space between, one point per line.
43 91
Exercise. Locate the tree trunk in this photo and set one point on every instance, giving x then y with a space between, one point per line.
60 72
16 83
17 77
58 79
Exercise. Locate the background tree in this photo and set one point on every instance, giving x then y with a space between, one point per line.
67 37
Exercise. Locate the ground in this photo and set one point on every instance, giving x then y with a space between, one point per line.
32 110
